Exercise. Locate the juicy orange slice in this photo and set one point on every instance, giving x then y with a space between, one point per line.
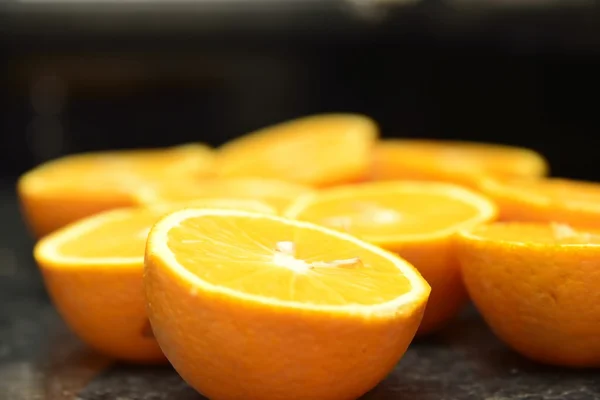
537 287
415 219
453 161
274 192
93 271
319 150
546 200
65 190
292 297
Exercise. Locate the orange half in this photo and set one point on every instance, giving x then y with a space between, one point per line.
452 161
316 314
417 220
77 186
93 272
319 150
536 285
547 200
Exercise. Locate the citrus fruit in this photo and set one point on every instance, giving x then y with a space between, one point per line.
80 185
536 285
93 272
319 150
274 192
414 219
453 161
546 200
252 306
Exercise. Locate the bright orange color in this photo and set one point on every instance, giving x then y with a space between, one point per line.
536 285
274 192
73 187
93 271
547 200
319 150
249 306
451 161
414 219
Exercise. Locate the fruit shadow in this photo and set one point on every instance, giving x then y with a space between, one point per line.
466 361
70 370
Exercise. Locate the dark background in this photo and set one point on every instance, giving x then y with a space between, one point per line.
97 77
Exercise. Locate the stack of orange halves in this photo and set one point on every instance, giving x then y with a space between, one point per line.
299 261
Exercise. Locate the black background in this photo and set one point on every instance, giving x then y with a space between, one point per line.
522 77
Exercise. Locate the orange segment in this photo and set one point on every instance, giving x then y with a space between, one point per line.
414 219
276 193
292 297
453 161
547 200
318 150
80 185
536 285
93 271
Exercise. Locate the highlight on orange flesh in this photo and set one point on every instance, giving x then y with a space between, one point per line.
252 306
319 150
546 200
274 192
93 271
460 162
417 220
62 191
536 285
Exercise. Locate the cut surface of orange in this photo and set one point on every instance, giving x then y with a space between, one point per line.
536 285
252 306
276 193
459 162
417 220
93 272
80 185
319 150
546 200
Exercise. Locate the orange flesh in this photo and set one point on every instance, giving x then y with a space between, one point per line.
126 235
403 213
284 262
544 234
318 150
276 193
123 237
560 190
470 157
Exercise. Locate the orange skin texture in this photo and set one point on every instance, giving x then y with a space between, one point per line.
541 301
106 309
518 205
221 346
437 262
47 212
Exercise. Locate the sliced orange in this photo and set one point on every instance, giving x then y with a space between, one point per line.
417 220
459 162
319 150
536 285
251 306
65 190
93 271
546 200
274 192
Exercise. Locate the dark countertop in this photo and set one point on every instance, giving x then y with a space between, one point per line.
41 360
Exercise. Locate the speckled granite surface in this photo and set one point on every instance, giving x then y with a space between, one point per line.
41 360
